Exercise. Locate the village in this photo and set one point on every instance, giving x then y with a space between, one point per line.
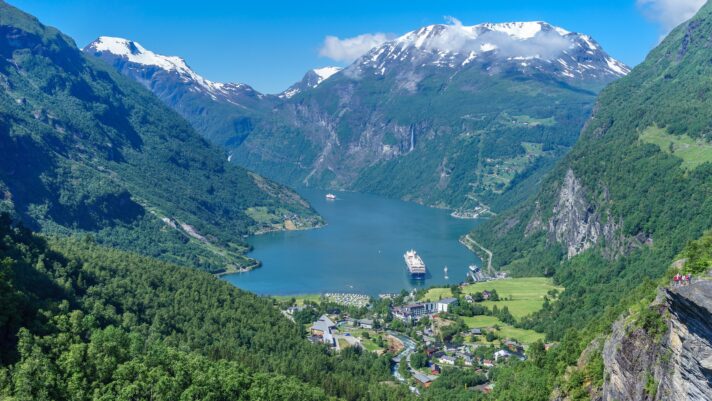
466 329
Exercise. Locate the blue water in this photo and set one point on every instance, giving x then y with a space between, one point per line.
360 250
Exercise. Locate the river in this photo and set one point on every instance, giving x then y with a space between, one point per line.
360 249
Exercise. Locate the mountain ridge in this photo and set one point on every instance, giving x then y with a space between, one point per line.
320 133
88 151
522 43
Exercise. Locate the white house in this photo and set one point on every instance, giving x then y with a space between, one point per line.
446 360
501 354
443 305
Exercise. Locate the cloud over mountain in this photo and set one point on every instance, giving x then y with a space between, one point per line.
349 49
670 13
530 40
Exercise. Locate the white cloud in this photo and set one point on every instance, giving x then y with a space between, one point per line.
459 38
670 13
349 49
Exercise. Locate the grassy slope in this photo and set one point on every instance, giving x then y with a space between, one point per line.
693 152
527 297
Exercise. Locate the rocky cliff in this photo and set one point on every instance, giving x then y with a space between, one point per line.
671 362
578 223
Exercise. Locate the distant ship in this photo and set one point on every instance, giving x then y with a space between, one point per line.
445 270
330 197
416 266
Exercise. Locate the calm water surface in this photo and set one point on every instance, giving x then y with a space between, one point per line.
360 250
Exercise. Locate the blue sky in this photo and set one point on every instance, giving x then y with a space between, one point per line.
271 44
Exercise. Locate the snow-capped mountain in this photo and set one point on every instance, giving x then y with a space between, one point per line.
311 79
455 106
220 111
166 73
527 47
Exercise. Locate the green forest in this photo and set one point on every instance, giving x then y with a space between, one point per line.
85 322
81 321
114 212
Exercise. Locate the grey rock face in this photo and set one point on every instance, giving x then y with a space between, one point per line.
676 366
576 223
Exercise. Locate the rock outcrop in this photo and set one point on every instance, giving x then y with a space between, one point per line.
674 365
579 224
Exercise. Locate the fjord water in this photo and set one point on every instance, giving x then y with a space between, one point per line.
360 249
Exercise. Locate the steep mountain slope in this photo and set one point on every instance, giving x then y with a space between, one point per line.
664 353
445 115
86 150
636 187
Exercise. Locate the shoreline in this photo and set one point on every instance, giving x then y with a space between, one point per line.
278 230
240 270
467 241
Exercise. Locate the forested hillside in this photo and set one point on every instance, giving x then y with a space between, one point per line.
80 321
634 190
85 149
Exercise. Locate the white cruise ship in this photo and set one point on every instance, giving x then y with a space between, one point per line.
416 266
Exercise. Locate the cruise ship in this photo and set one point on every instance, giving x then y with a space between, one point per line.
416 266
330 197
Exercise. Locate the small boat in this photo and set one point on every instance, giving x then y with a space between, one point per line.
330 197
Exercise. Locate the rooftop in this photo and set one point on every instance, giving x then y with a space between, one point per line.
447 300
323 324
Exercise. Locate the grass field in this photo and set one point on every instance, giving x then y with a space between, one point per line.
518 288
526 337
505 331
527 294
435 294
300 299
527 297
518 308
370 345
692 152
481 321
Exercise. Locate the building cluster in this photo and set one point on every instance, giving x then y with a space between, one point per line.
453 352
415 311
323 331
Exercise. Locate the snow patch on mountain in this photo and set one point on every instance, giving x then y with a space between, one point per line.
312 79
325 73
133 52
456 45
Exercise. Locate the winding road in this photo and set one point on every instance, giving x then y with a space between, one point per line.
469 242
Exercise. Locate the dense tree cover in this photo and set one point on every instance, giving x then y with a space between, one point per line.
698 255
82 321
456 384
88 150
